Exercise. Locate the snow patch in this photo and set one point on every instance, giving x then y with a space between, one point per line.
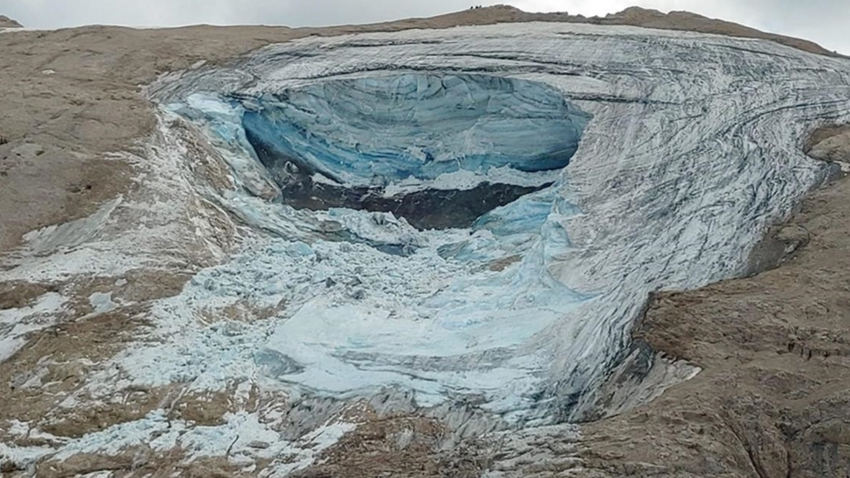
102 302
243 439
15 324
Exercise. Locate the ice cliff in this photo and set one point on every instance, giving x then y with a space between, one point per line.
477 215
390 143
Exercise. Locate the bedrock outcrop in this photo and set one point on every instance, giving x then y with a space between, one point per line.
6 22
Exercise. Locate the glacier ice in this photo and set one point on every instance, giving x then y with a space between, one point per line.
419 145
689 148
376 130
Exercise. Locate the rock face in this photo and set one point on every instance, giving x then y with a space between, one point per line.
831 144
184 317
6 22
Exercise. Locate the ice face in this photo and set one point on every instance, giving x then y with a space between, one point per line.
437 312
353 142
677 175
367 131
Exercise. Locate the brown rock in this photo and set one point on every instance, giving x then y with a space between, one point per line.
6 22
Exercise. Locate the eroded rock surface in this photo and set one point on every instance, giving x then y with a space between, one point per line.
831 143
6 22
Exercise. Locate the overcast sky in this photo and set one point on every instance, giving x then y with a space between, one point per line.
823 21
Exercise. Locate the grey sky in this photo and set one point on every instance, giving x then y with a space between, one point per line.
823 21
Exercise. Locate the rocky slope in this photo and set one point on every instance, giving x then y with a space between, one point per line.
6 22
121 207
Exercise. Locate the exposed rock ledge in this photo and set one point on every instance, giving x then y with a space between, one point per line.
6 22
831 143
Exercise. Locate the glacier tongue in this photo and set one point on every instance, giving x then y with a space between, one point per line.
692 150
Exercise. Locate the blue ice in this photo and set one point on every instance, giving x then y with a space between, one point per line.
374 131
436 319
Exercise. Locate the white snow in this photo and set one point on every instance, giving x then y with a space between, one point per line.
15 324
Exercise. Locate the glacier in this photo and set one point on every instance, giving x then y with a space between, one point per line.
346 143
608 163
439 150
